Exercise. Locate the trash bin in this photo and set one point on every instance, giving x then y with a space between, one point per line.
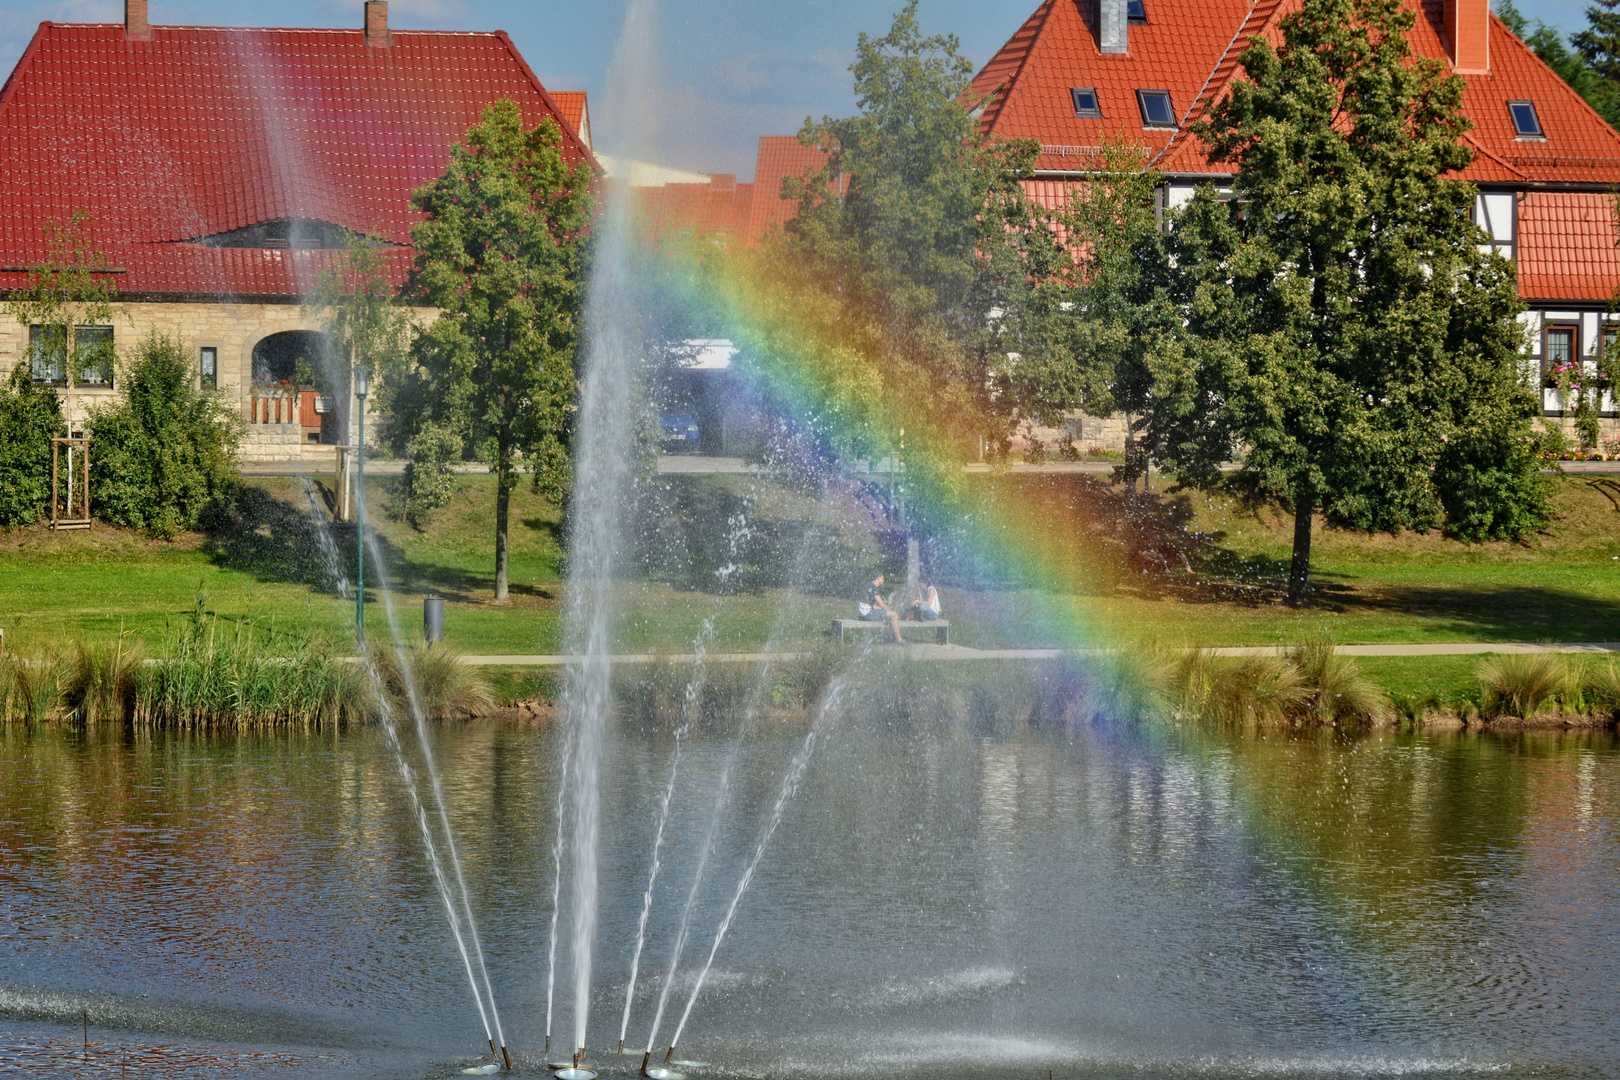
433 619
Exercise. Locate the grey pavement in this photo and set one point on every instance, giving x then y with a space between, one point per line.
318 464
962 652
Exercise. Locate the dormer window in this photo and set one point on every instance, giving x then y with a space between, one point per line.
1156 111
1136 11
1526 124
1085 101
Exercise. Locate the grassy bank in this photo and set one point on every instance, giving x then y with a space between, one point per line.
270 571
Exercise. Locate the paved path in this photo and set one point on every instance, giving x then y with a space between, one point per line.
322 464
961 652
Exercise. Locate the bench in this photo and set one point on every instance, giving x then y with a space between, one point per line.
941 628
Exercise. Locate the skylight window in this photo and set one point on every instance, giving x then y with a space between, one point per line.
1085 101
1526 124
1156 111
1136 11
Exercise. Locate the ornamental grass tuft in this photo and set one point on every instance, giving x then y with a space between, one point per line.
1523 684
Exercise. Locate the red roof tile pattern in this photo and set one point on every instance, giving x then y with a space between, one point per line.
205 130
1191 47
1567 246
715 211
571 103
780 156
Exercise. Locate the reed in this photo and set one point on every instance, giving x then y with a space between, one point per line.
228 677
30 687
1523 684
1309 686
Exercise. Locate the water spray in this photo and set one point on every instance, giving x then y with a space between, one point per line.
419 715
790 784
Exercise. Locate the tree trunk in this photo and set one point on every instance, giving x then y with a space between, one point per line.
503 502
1299 570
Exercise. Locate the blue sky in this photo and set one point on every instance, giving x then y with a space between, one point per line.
727 72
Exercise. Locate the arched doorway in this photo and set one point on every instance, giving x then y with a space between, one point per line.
298 379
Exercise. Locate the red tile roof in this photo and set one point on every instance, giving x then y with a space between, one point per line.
572 105
780 156
1567 246
711 210
1190 48
206 130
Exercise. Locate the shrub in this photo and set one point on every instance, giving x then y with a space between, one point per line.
164 458
1337 692
29 416
430 482
1521 684
444 685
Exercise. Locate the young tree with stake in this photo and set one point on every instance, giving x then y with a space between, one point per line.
501 253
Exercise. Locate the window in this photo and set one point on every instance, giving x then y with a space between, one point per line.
278 234
1526 124
94 345
1135 11
1156 110
1085 101
209 364
45 352
1560 352
92 361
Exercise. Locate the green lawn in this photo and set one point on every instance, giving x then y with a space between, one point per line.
271 571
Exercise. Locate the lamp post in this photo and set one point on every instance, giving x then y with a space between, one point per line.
362 386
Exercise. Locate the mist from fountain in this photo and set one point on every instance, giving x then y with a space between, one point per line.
689 698
826 712
556 884
419 715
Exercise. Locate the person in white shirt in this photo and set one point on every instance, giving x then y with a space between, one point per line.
926 606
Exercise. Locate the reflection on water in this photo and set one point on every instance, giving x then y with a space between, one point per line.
1120 902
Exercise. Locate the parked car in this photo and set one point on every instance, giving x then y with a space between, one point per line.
680 432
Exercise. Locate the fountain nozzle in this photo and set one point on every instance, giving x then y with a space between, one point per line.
492 1047
579 1058
644 1059
507 1057
621 1046
548 1043
669 1053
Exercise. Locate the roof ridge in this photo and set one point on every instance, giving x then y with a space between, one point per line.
23 61
551 102
1004 88
1208 92
271 29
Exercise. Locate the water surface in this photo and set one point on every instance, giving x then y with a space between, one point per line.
939 901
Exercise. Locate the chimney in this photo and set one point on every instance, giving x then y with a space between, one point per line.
1468 32
377 24
1113 25
136 28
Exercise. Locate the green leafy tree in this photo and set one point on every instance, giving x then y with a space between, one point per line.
1084 332
164 457
501 253
919 222
1347 340
30 416
68 291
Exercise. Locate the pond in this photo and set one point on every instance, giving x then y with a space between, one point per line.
1122 900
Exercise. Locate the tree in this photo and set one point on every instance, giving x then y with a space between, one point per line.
30 416
68 294
888 306
1346 338
1086 325
166 454
1599 43
501 253
364 324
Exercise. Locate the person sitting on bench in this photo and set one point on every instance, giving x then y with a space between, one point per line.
926 607
876 609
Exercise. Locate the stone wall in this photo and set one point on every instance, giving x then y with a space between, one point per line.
232 328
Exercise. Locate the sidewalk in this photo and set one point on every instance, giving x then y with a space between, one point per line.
961 652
